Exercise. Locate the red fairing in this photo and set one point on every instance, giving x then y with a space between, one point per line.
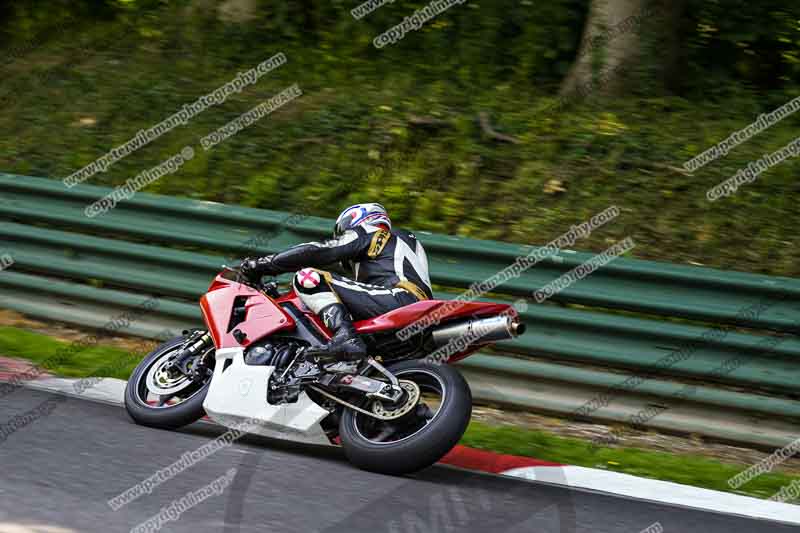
400 318
263 317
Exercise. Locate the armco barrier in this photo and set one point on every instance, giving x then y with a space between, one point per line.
77 269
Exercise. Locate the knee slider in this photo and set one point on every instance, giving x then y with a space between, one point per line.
308 280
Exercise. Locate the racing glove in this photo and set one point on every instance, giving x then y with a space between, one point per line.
256 268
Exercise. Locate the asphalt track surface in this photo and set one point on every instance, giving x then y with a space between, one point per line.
61 469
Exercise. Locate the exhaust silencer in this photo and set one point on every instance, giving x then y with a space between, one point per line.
479 330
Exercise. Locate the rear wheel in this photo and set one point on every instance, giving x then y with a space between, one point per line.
423 435
158 397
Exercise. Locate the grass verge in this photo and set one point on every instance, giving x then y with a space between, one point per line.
105 361
679 468
96 360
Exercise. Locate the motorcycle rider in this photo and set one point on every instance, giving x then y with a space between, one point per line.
389 270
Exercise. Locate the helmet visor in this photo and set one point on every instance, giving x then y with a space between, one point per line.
338 230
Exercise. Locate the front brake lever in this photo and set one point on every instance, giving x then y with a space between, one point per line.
239 274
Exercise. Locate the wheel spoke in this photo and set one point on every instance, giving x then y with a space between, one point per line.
163 399
424 411
387 431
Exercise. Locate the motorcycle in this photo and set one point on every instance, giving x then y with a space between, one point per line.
396 412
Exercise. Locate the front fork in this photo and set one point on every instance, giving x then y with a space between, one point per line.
196 341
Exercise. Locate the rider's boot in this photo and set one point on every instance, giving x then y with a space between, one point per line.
345 344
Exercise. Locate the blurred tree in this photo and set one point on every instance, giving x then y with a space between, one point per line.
622 37
238 10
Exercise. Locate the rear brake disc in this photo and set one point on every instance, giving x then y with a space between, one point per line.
413 392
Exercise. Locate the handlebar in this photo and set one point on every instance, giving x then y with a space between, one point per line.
270 287
240 277
232 269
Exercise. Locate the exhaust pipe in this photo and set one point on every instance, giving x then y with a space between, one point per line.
479 330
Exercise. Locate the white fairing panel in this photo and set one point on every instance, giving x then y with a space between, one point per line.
239 392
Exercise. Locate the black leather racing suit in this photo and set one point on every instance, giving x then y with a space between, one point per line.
390 270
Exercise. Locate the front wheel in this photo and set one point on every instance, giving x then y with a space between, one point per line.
418 439
159 397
